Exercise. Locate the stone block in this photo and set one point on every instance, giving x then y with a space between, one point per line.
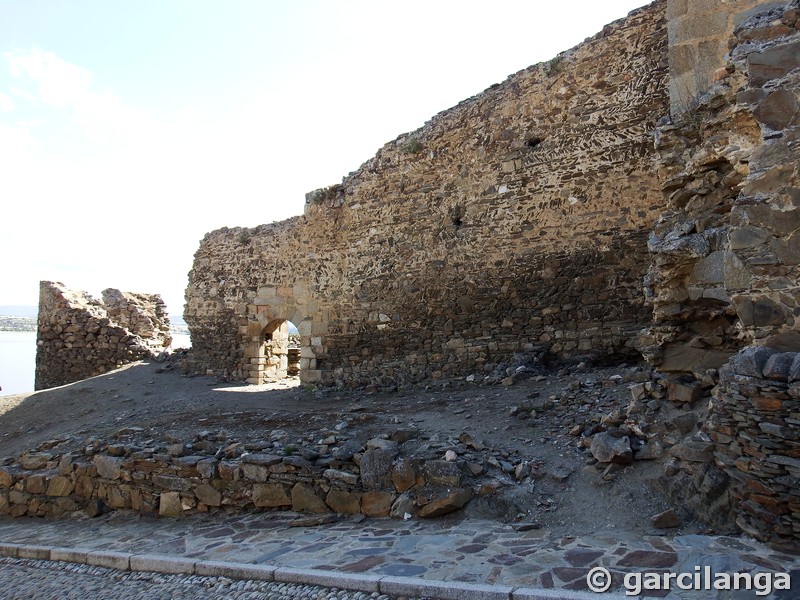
442 473
162 563
60 486
376 468
403 475
415 587
779 366
330 579
344 502
305 499
36 484
208 495
270 495
108 467
71 555
609 449
778 110
772 63
376 503
34 552
751 361
110 560
454 500
169 504
211 568
32 461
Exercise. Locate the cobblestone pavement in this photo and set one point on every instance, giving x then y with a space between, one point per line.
474 551
24 579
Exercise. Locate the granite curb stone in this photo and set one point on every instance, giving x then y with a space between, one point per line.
407 586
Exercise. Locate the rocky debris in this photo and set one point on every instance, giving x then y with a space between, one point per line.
609 449
666 520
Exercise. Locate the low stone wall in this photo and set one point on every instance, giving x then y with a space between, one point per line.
376 482
755 425
80 337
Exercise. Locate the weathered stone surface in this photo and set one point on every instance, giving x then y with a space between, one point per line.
80 337
60 486
266 460
693 451
751 361
305 499
609 449
171 482
376 468
666 520
779 366
772 63
6 478
107 467
404 477
255 472
443 473
271 495
377 504
404 507
447 504
34 460
683 391
778 110
169 504
36 484
466 191
208 495
344 502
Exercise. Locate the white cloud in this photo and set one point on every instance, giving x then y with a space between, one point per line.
6 103
98 114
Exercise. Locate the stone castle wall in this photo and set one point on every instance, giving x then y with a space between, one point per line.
80 337
512 224
726 252
699 34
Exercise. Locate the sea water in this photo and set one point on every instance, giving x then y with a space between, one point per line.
18 359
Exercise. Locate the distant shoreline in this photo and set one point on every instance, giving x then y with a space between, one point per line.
9 323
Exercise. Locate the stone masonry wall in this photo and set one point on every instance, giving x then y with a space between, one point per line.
755 424
80 337
510 225
699 32
377 481
726 253
724 278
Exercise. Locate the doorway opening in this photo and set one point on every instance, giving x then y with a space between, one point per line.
279 350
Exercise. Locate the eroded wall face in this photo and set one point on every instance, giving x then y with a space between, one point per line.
79 337
511 222
699 34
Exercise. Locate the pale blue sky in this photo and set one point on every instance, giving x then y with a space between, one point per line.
130 129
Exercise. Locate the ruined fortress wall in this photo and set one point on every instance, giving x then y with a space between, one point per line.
699 34
80 337
726 252
512 222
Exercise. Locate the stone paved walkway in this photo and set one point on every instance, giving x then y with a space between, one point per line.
449 550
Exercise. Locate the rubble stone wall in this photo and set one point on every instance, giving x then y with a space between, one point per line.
375 483
80 337
510 224
726 252
754 424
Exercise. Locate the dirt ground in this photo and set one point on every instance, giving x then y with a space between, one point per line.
535 423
